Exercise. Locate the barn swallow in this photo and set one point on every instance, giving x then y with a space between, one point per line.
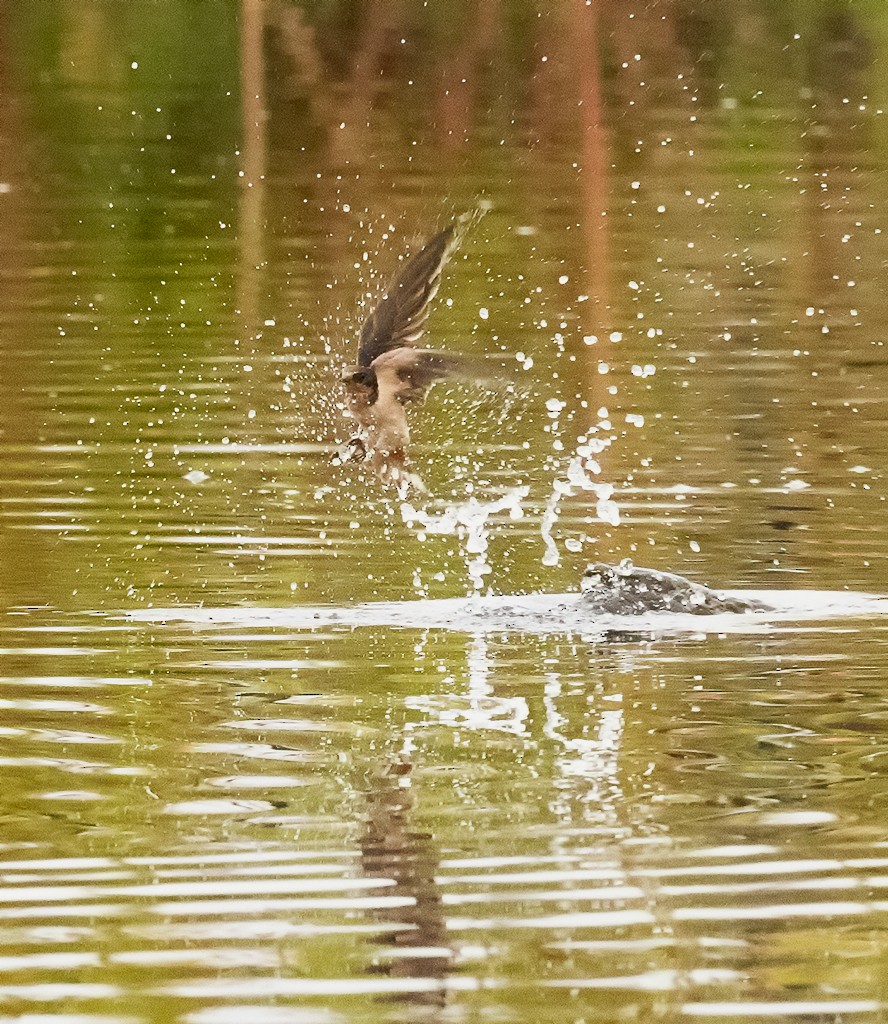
391 370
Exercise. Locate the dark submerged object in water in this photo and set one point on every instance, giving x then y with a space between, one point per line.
625 589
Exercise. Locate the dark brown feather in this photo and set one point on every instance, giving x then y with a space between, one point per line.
400 317
407 373
424 368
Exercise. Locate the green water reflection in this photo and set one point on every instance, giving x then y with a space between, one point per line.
685 243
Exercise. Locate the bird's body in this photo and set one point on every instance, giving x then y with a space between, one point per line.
391 371
378 406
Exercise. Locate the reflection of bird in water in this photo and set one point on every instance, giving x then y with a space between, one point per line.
391 370
391 848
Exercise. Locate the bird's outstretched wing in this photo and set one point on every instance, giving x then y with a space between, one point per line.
408 372
399 319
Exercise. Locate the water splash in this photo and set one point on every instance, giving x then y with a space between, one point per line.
579 475
469 522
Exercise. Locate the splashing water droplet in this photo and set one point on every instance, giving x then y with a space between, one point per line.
468 522
577 477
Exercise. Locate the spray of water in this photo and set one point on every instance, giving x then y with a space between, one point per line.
579 475
469 522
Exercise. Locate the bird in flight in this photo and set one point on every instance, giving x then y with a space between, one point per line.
391 370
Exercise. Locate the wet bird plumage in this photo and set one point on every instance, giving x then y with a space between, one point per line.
391 371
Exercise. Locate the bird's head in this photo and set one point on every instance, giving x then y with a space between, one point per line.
360 376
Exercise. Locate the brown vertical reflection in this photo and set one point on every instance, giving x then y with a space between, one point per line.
296 38
15 363
24 553
253 164
391 849
593 184
553 67
348 136
462 71
593 153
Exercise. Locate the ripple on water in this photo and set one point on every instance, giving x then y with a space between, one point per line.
343 806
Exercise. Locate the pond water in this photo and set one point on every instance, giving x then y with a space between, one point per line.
231 792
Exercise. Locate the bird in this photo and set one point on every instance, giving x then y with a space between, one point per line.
391 370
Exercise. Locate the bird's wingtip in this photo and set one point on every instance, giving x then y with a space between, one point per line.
469 218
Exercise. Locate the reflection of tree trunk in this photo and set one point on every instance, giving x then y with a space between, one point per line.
297 40
23 553
593 182
391 849
461 73
345 113
819 263
14 362
594 154
552 74
650 30
253 160
348 143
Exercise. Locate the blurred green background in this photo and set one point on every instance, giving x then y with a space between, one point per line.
198 197
684 255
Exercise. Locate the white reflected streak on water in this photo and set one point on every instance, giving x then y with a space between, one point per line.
782 886
479 667
479 708
486 711
235 858
194 888
779 911
77 682
55 992
625 918
228 907
761 867
54 652
69 1018
53 706
50 961
258 1014
502 714
801 1008
544 877
604 893
235 988
257 931
578 919
595 760
654 981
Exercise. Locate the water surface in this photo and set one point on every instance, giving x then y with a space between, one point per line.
228 794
